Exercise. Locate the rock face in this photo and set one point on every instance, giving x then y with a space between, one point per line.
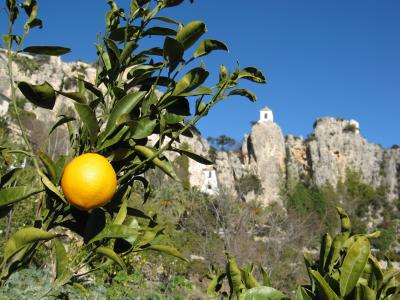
335 145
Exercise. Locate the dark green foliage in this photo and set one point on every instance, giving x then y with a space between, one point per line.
249 183
222 142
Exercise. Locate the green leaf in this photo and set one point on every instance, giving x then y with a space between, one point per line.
301 294
159 31
171 3
173 53
223 73
246 93
264 293
252 74
194 156
48 184
190 81
9 38
128 49
123 106
6 178
376 269
326 244
63 120
143 128
108 252
119 135
42 95
77 96
334 253
61 260
353 265
123 210
325 290
265 277
234 276
49 165
366 293
190 33
114 231
207 46
166 20
15 194
344 220
24 237
248 278
203 90
164 165
167 250
89 120
47 50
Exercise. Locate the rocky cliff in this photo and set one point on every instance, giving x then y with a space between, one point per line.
323 158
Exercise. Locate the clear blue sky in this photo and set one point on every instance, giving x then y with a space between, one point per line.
321 58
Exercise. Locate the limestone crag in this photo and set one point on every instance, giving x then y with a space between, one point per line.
334 146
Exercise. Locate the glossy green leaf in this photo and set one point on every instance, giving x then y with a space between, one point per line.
190 33
123 106
143 128
246 93
234 276
326 244
173 53
91 88
264 293
167 250
61 259
127 51
166 20
324 289
301 294
47 50
49 185
42 95
123 210
376 270
159 31
344 220
353 265
115 138
171 3
265 277
203 90
12 195
190 81
252 74
248 277
118 34
8 177
76 96
89 120
108 252
334 253
207 46
366 293
114 231
49 166
164 165
63 120
194 156
24 237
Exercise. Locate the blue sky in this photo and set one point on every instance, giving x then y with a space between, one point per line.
321 58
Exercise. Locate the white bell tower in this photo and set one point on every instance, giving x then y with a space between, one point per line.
266 114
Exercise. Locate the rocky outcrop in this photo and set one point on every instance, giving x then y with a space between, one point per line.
323 158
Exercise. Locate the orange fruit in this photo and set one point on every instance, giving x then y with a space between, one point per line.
89 181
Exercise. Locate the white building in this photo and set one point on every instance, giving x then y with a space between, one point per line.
210 182
266 115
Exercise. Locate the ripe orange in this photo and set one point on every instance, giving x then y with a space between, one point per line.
89 181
